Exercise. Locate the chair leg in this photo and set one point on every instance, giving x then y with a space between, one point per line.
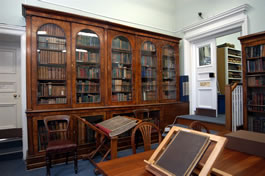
76 164
48 164
66 162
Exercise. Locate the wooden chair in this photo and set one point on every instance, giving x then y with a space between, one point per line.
146 131
59 141
198 126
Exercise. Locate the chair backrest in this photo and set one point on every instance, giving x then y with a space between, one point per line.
142 114
57 127
198 126
146 129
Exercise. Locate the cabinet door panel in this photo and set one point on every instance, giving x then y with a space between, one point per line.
88 65
121 67
50 63
149 73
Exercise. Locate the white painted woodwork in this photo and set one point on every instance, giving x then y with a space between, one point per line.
231 21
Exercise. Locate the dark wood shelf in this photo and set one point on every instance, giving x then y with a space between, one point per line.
120 50
94 48
53 96
52 65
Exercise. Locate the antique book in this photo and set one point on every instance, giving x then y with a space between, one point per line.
183 153
117 125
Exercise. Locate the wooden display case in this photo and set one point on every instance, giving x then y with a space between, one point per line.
91 68
253 54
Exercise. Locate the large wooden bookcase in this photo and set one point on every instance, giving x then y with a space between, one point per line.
253 54
95 69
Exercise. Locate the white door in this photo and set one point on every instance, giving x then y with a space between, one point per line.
9 88
206 93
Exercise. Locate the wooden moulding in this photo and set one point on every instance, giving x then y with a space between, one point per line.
205 169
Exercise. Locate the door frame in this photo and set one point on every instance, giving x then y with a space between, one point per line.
21 32
231 21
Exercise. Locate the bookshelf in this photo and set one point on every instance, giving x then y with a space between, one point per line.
169 85
122 70
51 55
87 67
253 47
92 68
149 79
229 66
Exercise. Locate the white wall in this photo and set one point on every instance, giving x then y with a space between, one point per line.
232 38
154 15
187 12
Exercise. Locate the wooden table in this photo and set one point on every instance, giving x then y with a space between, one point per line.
232 162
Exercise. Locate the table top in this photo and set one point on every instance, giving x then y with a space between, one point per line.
230 161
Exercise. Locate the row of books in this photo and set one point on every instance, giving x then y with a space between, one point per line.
169 83
52 101
88 98
87 40
89 73
256 124
51 73
169 74
169 95
256 81
122 73
148 72
88 57
51 29
148 46
257 65
167 88
256 100
234 67
235 60
149 95
148 61
121 96
255 51
118 82
121 43
42 137
168 52
87 86
234 74
47 89
51 57
149 88
85 134
121 88
168 63
234 52
124 58
51 43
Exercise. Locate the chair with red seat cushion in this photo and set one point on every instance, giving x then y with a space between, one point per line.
59 141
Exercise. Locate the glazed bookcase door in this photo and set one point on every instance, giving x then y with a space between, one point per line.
169 73
121 68
149 70
88 63
51 63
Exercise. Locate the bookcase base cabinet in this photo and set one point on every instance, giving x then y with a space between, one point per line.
161 113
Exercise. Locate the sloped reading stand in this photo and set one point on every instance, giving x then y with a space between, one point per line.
181 150
107 132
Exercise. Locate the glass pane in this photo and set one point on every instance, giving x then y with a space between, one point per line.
205 55
51 55
149 71
87 67
169 73
121 59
